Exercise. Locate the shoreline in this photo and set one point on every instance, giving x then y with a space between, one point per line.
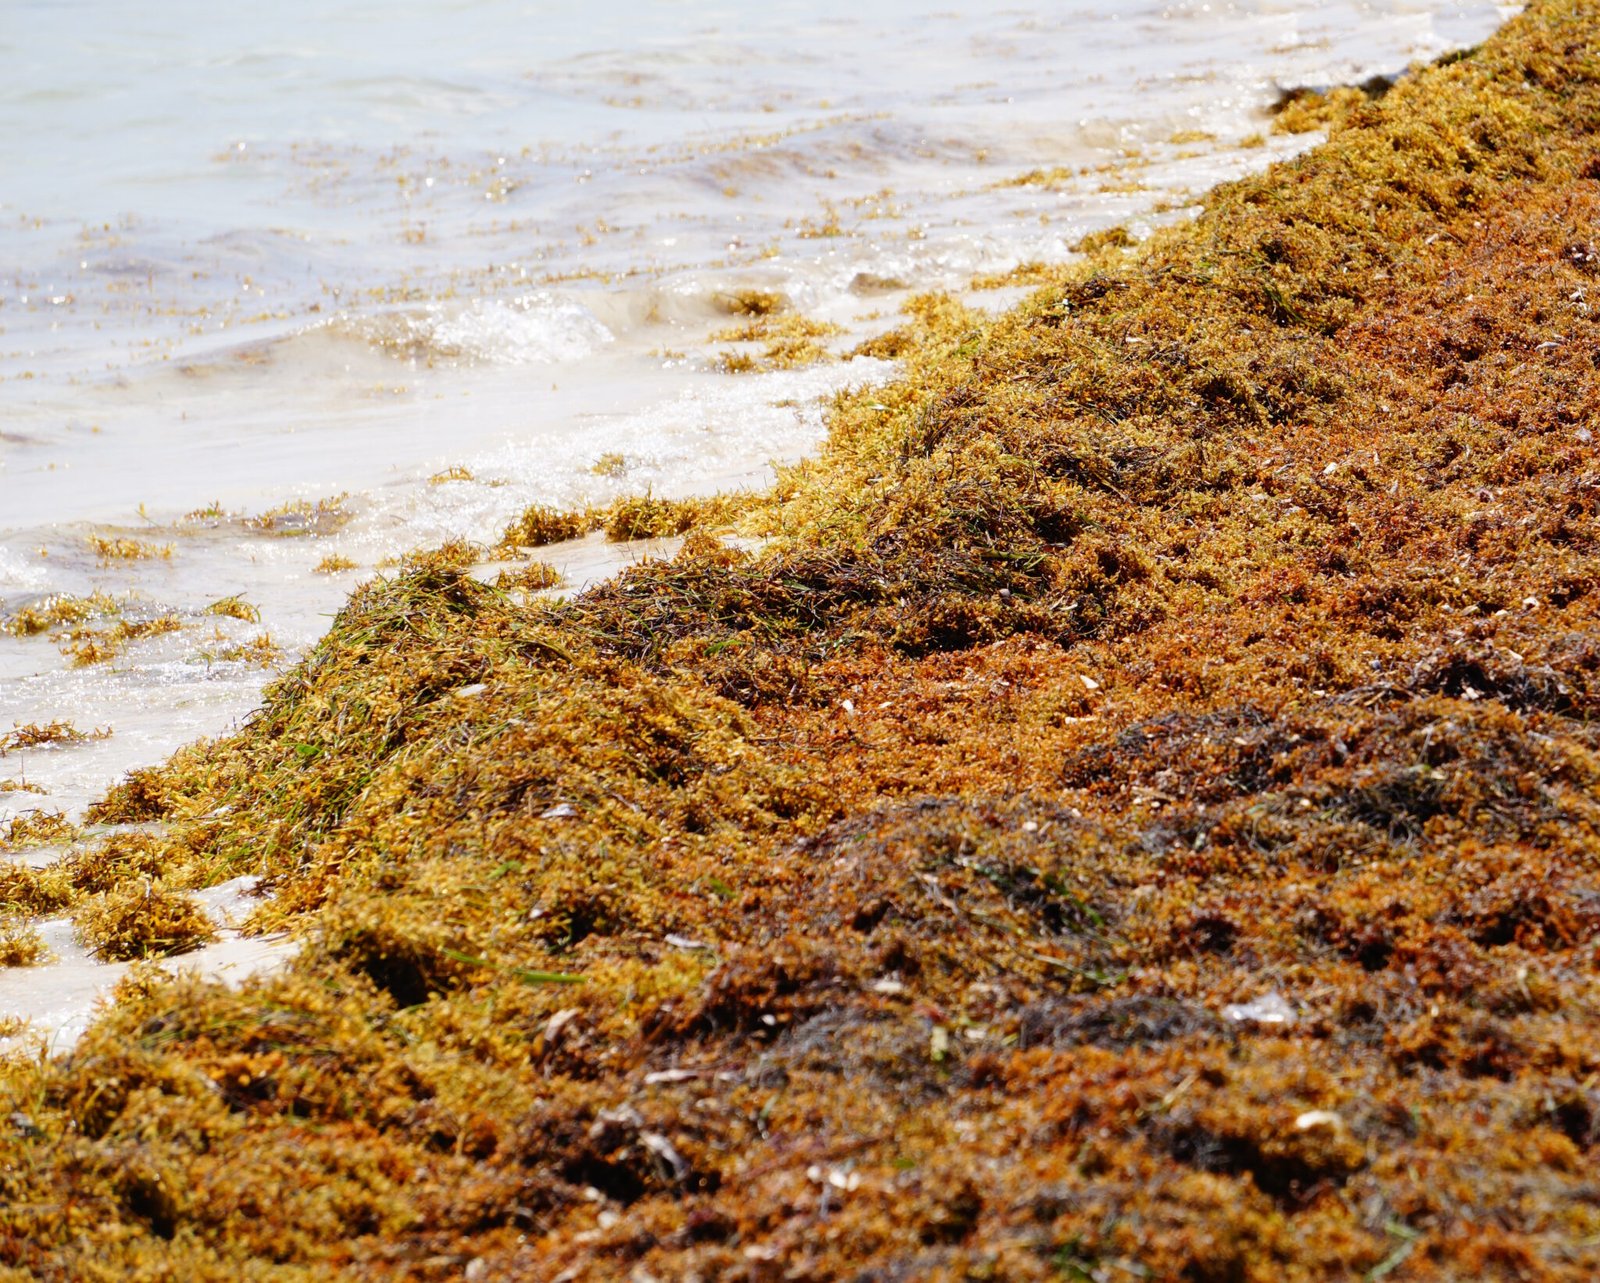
1136 810
292 371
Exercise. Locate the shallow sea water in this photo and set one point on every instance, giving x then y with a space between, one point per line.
251 255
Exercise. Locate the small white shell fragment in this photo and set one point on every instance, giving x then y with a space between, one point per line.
1270 1009
1089 683
848 706
838 1177
559 1021
890 987
666 1151
671 1076
1319 1118
685 942
560 811
468 692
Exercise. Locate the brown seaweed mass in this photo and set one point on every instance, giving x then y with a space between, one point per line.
1219 625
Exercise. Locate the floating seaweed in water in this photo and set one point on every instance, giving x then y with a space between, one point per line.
21 945
123 549
47 734
36 828
56 611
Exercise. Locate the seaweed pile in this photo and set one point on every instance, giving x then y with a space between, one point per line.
1136 816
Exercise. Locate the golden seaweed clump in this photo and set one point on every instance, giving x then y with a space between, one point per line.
119 858
21 944
1106 238
142 919
1034 274
536 576
212 512
1301 111
751 302
540 525
122 549
259 650
1055 176
91 868
54 612
235 607
86 646
333 564
37 828
46 734
301 517
789 340
32 892
731 362
645 517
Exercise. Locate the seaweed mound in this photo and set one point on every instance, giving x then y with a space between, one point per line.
1138 815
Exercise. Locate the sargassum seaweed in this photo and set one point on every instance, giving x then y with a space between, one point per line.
1136 815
